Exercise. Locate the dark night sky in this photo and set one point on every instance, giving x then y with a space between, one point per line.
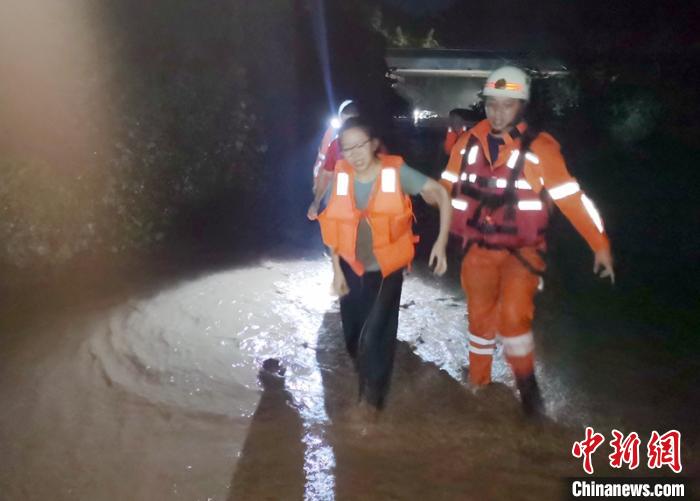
555 25
420 7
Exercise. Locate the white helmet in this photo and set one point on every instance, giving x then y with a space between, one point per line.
336 121
508 81
344 105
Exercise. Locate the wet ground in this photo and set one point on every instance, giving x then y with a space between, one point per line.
149 386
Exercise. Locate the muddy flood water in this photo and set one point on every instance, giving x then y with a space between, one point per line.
160 394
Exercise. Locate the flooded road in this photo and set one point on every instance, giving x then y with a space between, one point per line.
162 395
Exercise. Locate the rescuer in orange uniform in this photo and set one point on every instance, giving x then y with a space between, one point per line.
368 226
503 177
329 149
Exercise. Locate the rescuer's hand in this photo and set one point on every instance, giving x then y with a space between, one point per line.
340 285
312 213
603 259
438 257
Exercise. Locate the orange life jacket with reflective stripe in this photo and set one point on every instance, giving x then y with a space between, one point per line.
495 206
389 214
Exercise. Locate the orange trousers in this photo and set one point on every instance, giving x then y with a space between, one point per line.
500 292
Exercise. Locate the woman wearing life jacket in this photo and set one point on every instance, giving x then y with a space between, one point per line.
368 225
503 177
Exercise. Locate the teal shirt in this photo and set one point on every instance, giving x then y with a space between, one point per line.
412 182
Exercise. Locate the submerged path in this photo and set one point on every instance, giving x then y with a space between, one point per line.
158 394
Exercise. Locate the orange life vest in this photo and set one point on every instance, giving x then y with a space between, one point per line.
389 214
486 214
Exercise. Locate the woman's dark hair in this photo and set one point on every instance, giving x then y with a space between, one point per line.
461 113
364 125
350 109
358 123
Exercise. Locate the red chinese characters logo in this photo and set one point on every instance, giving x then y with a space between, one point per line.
665 450
626 450
662 450
586 447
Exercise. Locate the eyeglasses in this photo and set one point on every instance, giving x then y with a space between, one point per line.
351 148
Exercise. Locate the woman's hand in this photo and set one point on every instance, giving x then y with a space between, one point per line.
340 285
320 186
438 257
435 194
312 212
603 260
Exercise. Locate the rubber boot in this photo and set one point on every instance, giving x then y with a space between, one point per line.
530 396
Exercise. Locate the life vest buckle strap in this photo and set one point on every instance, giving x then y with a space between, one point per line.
490 229
527 264
514 251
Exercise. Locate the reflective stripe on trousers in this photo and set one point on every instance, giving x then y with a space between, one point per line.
500 302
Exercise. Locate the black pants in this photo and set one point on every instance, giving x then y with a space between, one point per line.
370 315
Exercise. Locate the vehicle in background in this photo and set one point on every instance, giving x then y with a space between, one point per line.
435 81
